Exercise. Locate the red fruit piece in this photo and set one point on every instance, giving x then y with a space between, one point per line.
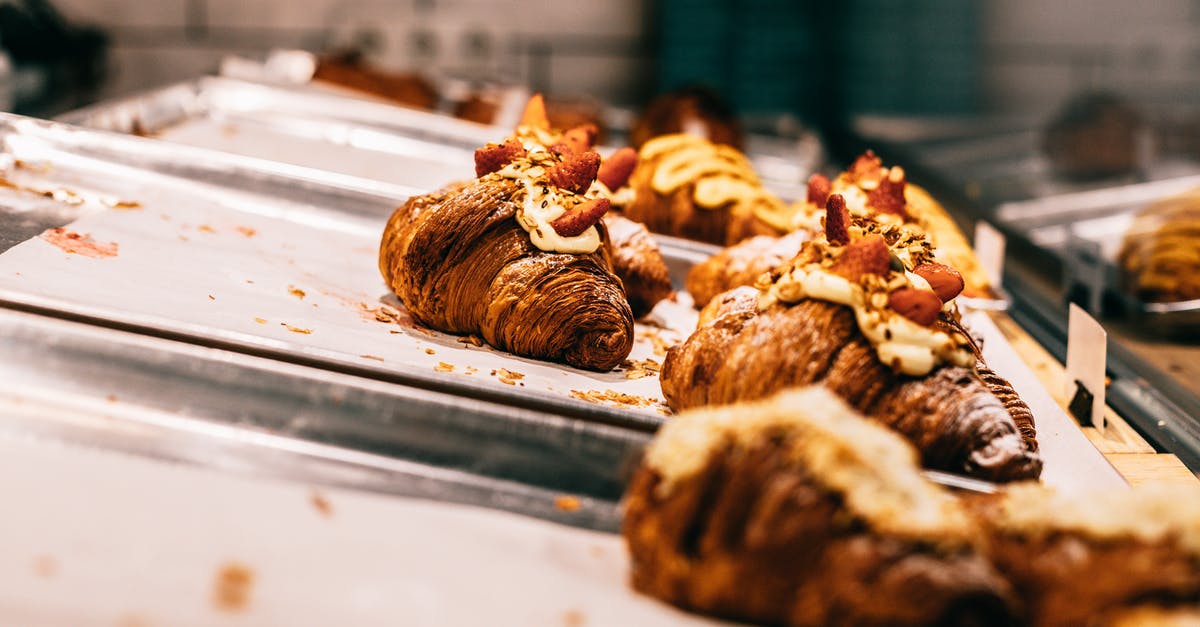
888 196
493 157
576 172
866 255
920 306
819 188
535 113
616 169
837 220
577 220
945 280
865 169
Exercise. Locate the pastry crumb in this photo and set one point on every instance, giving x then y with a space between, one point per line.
45 566
297 292
320 503
112 398
613 396
206 228
247 231
444 367
657 342
296 329
430 351
374 357
637 369
471 370
508 377
473 340
232 587
211 297
261 320
567 503
574 618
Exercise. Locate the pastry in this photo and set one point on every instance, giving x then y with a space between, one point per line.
690 187
796 511
349 69
638 262
693 110
1160 255
741 264
863 310
1096 135
519 255
1121 557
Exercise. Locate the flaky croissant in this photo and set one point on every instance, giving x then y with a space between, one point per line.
638 262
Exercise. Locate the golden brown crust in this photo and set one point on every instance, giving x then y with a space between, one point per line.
738 353
1160 255
462 264
638 262
741 264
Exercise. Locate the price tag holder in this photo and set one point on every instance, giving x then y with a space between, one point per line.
989 248
1087 347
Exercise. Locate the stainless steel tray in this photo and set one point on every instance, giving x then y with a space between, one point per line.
301 126
95 387
1086 230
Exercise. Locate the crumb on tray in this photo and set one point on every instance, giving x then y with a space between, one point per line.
320 503
444 367
297 292
296 329
232 587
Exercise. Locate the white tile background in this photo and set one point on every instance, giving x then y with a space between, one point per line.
1034 53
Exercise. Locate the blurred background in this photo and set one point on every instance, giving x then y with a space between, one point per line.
817 60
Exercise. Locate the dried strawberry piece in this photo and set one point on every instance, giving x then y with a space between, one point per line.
493 157
535 113
577 220
617 167
920 306
945 280
579 139
888 196
576 172
866 255
819 188
865 169
837 220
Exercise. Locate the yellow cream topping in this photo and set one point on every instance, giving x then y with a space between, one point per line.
545 203
904 345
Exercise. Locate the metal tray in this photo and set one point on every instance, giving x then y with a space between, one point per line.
256 238
301 126
104 389
1086 230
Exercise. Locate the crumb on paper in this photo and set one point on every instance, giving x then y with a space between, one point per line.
657 342
639 368
471 370
261 320
613 396
320 503
41 167
126 205
567 503
184 238
247 231
508 377
79 243
297 292
574 618
45 566
395 332
472 339
232 587
204 228
112 398
249 282
430 351
211 297
374 357
296 329
444 367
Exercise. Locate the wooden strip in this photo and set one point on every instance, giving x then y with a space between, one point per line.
1152 468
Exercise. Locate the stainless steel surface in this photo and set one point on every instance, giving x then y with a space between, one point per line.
100 388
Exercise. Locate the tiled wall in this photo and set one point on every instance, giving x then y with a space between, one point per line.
1032 53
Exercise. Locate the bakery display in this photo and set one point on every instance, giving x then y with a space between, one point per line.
688 186
796 511
865 310
1160 254
519 255
1119 558
872 193
694 110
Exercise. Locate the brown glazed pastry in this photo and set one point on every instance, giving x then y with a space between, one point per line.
1094 136
741 264
1160 256
1099 559
843 314
795 511
519 255
638 262
694 110
349 69
687 186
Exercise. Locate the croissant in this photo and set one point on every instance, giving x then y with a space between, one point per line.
689 187
796 511
1098 559
842 315
519 255
740 264
1160 253
638 262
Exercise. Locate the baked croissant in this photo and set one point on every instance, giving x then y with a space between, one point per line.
1098 559
1160 254
518 255
741 264
796 511
841 315
637 260
690 187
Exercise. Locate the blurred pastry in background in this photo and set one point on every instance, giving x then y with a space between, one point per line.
350 69
1160 255
693 110
637 261
796 511
1097 135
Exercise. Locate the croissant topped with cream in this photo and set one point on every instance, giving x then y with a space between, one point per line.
864 311
519 255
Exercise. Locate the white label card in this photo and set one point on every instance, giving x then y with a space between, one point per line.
1087 344
989 248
